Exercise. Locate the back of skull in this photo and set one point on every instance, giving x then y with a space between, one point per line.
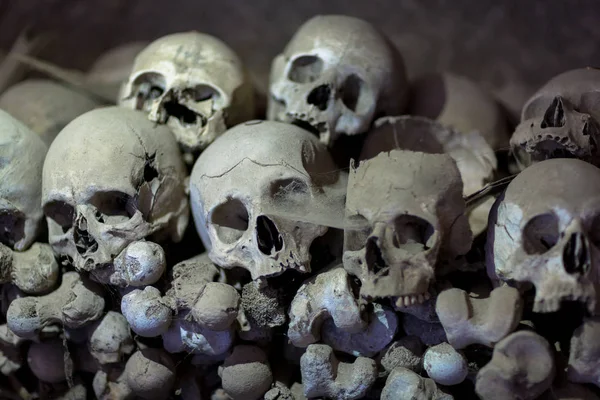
561 120
112 177
22 155
545 230
405 212
335 75
192 82
258 193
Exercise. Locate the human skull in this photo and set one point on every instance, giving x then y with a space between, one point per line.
546 230
112 178
192 82
406 213
335 76
22 155
561 120
258 194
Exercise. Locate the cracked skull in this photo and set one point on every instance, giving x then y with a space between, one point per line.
561 120
546 231
112 178
192 82
22 155
406 214
335 76
260 194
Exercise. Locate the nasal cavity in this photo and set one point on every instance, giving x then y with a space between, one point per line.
268 237
576 256
84 242
319 97
373 256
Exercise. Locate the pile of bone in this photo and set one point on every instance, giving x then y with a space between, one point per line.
340 248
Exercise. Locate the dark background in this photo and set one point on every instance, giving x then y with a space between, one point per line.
511 47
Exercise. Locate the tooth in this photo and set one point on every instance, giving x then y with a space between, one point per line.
399 302
420 298
406 301
413 300
427 296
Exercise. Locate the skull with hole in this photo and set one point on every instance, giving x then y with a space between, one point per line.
192 82
22 155
561 120
261 194
545 230
335 76
406 214
110 180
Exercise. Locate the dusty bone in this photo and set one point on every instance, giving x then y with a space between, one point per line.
584 356
246 373
113 67
402 383
10 351
146 312
110 338
543 231
23 153
262 206
461 104
47 361
11 71
327 295
522 365
262 305
141 263
336 74
380 331
474 157
33 271
111 384
407 352
416 220
186 335
150 374
198 93
445 365
212 305
112 178
45 106
468 320
561 120
74 304
324 375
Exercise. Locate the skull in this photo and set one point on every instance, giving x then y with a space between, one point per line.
561 120
406 214
22 155
111 178
261 194
545 230
192 82
335 76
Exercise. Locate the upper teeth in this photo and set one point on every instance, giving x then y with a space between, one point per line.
408 300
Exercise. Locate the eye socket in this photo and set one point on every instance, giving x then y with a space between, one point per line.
412 233
305 69
113 207
60 212
355 94
201 93
540 234
230 220
12 226
148 87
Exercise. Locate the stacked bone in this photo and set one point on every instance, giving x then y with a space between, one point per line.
346 257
